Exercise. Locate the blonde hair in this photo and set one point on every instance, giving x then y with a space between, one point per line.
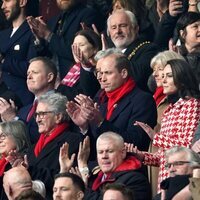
162 58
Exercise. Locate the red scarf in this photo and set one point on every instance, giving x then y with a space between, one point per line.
3 163
158 95
131 163
72 76
44 140
116 95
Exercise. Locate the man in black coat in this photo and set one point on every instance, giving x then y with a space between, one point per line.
123 30
121 102
115 166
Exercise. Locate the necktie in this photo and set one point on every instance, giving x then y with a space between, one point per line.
32 111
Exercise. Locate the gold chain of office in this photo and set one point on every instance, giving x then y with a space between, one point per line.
136 48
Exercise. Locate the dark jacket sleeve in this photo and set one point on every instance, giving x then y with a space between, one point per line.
165 30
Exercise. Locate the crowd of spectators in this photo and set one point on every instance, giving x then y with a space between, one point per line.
99 99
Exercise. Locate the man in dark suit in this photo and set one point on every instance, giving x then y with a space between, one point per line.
41 77
16 49
57 37
123 31
121 102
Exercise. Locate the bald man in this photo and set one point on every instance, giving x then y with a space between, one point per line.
15 181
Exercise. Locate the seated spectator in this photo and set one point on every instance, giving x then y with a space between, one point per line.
29 195
180 119
115 166
158 63
68 186
81 78
146 29
117 109
54 129
123 29
13 142
180 162
41 77
187 27
15 181
118 191
16 49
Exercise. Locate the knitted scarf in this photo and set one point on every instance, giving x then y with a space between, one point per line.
116 95
44 139
72 76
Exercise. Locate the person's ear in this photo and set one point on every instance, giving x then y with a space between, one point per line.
182 34
124 73
136 29
58 118
124 153
50 77
22 3
10 192
80 195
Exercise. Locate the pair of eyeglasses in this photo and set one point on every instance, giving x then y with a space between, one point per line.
176 164
3 136
41 114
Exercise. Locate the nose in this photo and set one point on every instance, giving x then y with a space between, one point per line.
2 5
154 73
29 75
104 155
57 193
103 77
119 30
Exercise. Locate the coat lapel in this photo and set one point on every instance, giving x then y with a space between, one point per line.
49 148
18 34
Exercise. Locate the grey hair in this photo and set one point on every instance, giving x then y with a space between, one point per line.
163 57
17 130
118 139
56 103
122 62
107 52
129 14
39 187
192 156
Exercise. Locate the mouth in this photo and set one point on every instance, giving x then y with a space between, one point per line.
119 37
6 12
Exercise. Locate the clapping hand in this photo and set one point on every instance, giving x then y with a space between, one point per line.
151 133
64 160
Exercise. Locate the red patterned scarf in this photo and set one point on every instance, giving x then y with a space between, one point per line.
116 95
72 76
158 95
3 163
44 140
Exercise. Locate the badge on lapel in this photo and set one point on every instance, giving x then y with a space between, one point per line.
17 47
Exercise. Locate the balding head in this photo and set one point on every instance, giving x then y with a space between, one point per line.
15 181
